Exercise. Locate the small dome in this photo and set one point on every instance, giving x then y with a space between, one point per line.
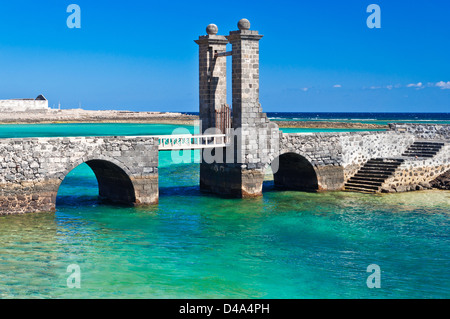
212 29
244 24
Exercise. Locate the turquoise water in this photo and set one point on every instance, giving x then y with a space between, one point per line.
87 129
283 245
120 129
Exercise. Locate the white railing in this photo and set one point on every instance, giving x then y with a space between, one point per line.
187 142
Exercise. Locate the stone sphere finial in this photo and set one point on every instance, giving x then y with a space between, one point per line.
244 24
212 29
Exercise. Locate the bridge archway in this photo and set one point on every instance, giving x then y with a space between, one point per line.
114 182
295 172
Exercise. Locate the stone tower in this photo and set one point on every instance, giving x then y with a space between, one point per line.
238 169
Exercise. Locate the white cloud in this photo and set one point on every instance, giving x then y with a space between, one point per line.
337 86
418 86
443 85
304 89
415 85
389 87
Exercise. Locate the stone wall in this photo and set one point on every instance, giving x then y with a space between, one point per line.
24 105
423 131
32 169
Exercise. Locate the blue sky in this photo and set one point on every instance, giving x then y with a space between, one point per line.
315 55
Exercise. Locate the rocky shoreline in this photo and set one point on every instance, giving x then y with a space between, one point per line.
442 181
87 116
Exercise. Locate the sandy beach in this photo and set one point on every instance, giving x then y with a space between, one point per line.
88 116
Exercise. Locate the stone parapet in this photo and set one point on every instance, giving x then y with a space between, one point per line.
423 131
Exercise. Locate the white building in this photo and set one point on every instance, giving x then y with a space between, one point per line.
24 105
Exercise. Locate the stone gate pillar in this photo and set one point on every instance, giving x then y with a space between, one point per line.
212 76
257 138
245 72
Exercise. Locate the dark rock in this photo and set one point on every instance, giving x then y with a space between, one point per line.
442 181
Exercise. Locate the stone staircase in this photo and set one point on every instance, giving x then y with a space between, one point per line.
376 171
372 175
423 149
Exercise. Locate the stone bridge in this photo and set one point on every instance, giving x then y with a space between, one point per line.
233 162
126 168
32 170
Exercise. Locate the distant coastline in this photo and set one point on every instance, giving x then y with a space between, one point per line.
88 116
110 116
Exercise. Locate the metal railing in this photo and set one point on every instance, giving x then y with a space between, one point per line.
187 141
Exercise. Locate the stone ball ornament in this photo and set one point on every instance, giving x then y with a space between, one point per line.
244 24
212 29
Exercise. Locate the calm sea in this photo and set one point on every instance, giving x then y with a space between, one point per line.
362 117
359 117
192 245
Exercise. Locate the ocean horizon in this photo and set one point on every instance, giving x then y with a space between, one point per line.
360 117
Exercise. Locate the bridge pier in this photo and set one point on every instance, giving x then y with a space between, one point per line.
228 180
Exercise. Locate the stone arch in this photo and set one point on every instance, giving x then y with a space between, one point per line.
295 172
115 182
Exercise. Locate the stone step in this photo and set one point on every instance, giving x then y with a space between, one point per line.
386 160
359 190
429 143
383 164
367 178
420 152
362 185
418 155
378 169
413 147
364 182
423 149
371 175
